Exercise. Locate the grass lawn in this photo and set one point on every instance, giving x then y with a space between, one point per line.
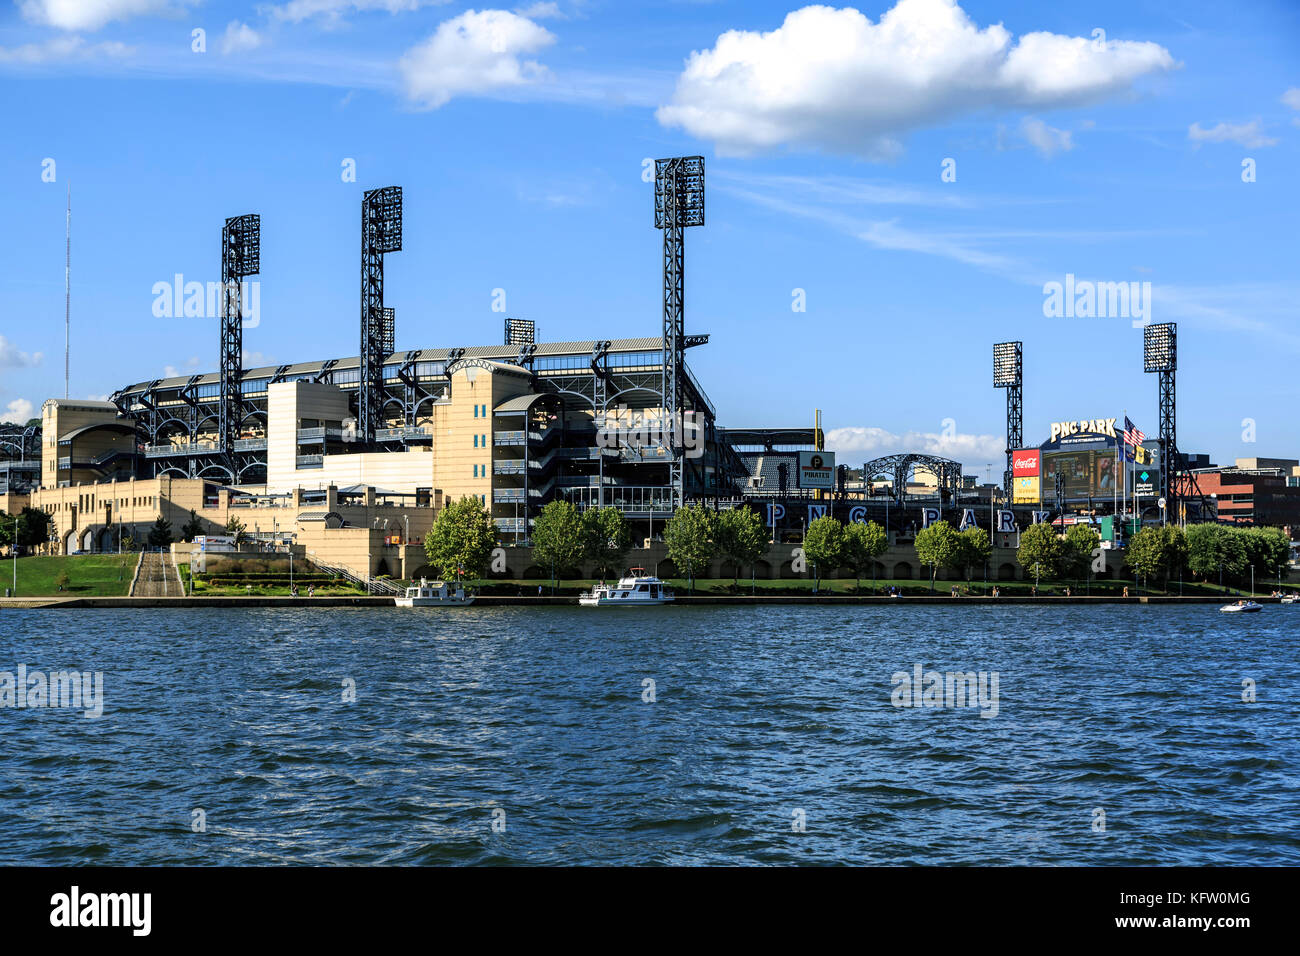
89 575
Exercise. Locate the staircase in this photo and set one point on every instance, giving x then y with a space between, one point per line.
156 577
370 586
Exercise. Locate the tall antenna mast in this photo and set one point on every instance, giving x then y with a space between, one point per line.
67 296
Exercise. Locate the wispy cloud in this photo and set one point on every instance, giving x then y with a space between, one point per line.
13 357
63 50
1243 134
1046 139
334 11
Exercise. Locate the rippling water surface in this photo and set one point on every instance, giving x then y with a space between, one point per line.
758 714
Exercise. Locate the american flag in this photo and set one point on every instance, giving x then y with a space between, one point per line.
1131 434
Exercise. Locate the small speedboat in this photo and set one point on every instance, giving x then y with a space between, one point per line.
434 594
638 589
1241 607
1291 599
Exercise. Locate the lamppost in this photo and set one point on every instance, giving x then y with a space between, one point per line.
1252 580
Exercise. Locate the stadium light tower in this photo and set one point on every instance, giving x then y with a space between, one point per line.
1008 373
1160 355
381 233
679 203
241 255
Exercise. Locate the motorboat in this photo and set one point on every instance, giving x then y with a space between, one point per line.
1291 599
638 589
434 594
1241 606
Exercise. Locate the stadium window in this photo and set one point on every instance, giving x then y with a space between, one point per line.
476 411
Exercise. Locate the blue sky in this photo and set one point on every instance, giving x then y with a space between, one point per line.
519 134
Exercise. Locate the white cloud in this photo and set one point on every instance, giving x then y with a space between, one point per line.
92 14
295 11
869 442
831 79
191 364
475 53
1292 99
240 37
11 357
61 49
541 11
1243 134
1046 139
20 411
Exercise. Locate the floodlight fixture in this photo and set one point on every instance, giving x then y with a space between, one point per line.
1160 348
1007 364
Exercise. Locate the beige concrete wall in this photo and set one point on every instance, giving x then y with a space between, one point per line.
455 426
59 416
134 504
289 404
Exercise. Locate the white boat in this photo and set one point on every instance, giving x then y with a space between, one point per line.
638 589
434 594
1291 599
1241 607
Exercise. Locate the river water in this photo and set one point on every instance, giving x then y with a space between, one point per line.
1118 735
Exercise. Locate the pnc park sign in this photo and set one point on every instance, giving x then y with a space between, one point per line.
1092 426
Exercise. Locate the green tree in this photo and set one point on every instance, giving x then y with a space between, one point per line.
1040 551
1147 553
234 528
192 528
1174 543
160 535
973 549
34 527
823 545
605 538
461 540
742 538
558 538
1275 551
1205 549
689 537
1076 551
863 543
937 546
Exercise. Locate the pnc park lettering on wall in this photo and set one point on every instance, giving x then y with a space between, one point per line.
1096 426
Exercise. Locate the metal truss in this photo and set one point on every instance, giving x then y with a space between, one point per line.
240 257
899 468
679 204
381 233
